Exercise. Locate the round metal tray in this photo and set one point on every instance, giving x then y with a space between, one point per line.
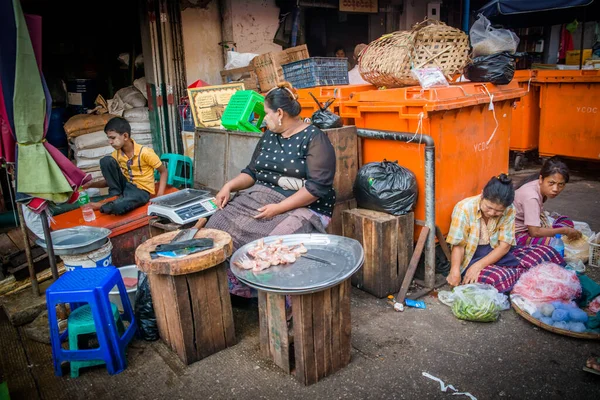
77 240
305 275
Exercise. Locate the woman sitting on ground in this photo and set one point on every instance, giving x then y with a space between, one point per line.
287 187
482 234
531 223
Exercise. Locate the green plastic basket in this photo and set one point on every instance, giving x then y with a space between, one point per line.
242 110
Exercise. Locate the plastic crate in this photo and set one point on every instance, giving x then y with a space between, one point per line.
594 260
242 110
317 71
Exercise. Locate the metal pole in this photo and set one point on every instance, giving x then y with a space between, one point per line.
581 42
466 15
30 266
408 137
49 247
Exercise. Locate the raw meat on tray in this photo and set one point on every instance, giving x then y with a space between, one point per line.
264 256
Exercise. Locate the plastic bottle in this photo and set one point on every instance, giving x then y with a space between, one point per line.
86 209
558 245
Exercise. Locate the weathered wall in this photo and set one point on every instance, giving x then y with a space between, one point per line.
414 11
201 29
253 24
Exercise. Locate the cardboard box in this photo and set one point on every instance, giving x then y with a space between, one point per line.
573 56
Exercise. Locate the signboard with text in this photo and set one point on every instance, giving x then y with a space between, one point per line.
361 6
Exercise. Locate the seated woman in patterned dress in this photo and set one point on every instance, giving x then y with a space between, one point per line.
482 236
287 187
531 223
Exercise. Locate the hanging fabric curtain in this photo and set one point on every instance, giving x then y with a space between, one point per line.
43 173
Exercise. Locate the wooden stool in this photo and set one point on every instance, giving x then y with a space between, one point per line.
388 244
191 296
320 334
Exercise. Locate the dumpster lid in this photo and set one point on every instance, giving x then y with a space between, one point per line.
442 98
565 76
342 92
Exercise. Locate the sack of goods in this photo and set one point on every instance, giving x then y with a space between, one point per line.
493 52
139 119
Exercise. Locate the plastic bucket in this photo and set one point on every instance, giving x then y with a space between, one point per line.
97 258
129 271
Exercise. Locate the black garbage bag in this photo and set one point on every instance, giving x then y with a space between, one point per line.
144 310
386 186
323 118
498 69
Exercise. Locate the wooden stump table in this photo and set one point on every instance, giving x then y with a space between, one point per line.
191 296
318 283
320 333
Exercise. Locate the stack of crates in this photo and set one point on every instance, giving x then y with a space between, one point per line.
317 71
244 112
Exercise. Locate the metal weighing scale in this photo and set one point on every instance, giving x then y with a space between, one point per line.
184 206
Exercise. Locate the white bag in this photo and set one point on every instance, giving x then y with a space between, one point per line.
140 127
238 60
131 96
90 141
142 138
137 114
487 40
97 152
140 83
82 162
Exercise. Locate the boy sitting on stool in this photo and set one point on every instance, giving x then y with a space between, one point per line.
128 171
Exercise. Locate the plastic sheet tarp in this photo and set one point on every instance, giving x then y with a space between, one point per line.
510 7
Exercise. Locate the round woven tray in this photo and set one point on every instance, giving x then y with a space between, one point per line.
528 317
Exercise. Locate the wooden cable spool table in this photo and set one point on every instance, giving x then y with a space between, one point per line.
320 294
191 296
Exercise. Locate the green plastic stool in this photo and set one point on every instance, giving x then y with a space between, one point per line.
180 170
81 322
239 114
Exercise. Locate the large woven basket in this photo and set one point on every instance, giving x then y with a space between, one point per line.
388 60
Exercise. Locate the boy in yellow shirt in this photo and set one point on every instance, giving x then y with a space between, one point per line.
128 171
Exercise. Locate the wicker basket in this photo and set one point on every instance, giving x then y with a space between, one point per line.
553 329
388 60
442 46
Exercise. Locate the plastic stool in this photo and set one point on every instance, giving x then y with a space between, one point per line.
91 286
180 170
240 112
81 322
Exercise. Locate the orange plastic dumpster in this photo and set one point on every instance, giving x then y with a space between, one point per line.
525 130
570 113
470 147
341 93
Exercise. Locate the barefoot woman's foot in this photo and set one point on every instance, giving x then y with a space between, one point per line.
592 365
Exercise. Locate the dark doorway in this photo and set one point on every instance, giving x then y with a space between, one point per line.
327 29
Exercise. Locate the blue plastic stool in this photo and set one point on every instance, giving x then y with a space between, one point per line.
81 323
180 170
91 285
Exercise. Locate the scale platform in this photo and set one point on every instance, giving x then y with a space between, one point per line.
184 206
